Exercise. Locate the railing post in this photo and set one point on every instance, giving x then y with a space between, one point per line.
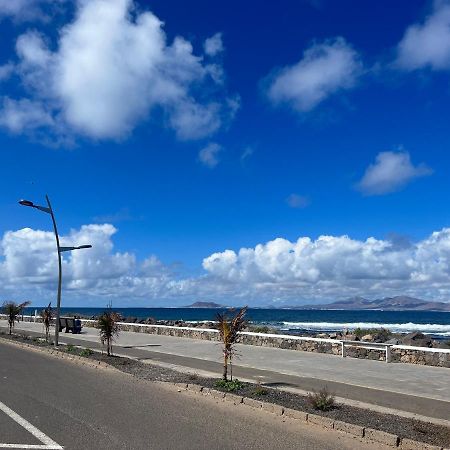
343 351
388 353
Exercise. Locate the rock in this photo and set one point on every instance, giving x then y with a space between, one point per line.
417 339
393 341
367 338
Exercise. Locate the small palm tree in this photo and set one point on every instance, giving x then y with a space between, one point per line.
13 311
229 328
108 326
47 317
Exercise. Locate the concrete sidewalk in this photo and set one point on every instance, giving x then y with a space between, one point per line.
413 388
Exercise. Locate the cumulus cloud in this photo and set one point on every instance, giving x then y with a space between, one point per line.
6 71
297 201
427 44
390 172
209 155
113 68
306 269
214 45
336 266
25 10
325 69
20 115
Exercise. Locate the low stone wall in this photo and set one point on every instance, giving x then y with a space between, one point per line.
399 353
419 355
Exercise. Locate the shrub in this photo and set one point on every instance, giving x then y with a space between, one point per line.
229 386
380 333
322 400
70 348
86 352
259 390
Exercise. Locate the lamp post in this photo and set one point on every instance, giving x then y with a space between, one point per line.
48 209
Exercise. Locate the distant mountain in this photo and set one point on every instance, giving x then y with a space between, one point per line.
205 305
398 303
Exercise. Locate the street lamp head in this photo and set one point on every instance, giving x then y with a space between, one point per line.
26 203
84 246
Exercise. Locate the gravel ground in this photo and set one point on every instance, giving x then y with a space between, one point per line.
401 426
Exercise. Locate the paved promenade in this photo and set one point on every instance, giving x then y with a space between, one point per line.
413 388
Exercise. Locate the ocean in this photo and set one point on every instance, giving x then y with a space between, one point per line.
292 321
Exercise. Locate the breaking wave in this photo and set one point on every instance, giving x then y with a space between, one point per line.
428 328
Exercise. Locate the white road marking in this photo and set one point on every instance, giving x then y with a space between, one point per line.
48 442
26 446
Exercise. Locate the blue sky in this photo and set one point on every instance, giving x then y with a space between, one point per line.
224 127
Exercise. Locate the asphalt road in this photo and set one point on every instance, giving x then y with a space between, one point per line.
411 388
79 407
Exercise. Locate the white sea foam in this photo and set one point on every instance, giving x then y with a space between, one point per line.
429 328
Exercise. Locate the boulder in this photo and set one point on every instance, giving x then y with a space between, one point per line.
367 338
417 339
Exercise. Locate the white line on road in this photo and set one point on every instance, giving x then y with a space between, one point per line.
26 446
48 443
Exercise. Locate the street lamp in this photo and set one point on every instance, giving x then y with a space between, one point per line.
48 209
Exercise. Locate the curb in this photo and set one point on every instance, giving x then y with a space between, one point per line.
57 354
365 433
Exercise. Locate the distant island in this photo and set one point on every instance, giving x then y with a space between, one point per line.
398 303
205 305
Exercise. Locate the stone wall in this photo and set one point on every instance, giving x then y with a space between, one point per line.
399 353
417 355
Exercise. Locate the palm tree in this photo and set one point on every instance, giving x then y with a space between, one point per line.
108 326
229 328
47 317
13 310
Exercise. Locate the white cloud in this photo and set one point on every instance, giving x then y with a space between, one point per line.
20 115
297 201
214 45
247 153
209 155
326 268
336 266
427 44
25 10
390 172
325 69
6 70
113 69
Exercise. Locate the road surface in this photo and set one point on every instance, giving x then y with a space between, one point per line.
62 404
407 387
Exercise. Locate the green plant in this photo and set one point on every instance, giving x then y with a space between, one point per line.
86 352
382 333
230 385
229 328
107 324
70 348
259 390
322 400
47 317
12 311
